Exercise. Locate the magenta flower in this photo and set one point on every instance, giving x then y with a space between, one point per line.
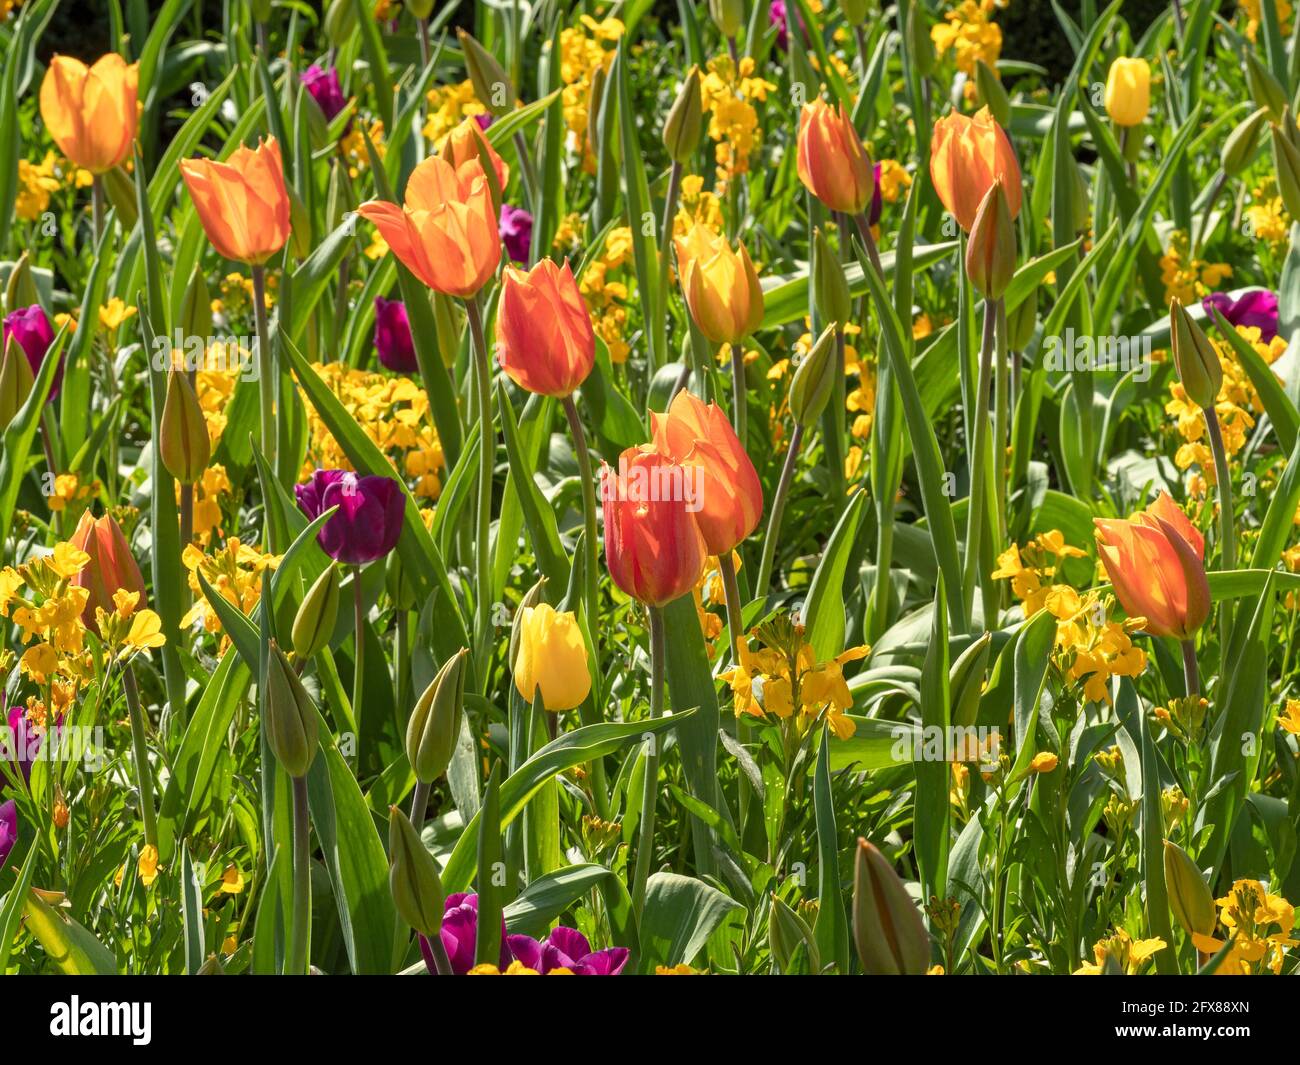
8 829
459 934
1256 308
22 743
567 948
778 17
32 331
484 119
325 90
516 228
876 203
369 519
393 341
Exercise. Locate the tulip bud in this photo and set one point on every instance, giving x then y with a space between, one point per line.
1265 89
196 307
1286 162
786 933
728 16
1197 362
552 658
289 716
314 623
1128 91
1239 148
992 94
685 120
340 21
594 98
420 8
112 567
830 287
814 380
1190 898
919 43
966 681
413 876
1021 322
183 443
991 251
855 11
491 82
434 727
16 381
20 290
887 928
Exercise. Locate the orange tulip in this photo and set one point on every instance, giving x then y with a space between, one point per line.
697 434
446 231
653 545
111 567
832 163
461 146
91 112
966 156
544 337
1155 562
242 203
721 286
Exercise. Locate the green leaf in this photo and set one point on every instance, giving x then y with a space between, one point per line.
680 915
823 611
832 926
73 950
491 892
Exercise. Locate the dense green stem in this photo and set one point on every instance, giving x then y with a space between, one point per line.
265 370
977 502
774 517
588 479
300 940
140 750
359 644
1191 675
1227 533
650 791
731 591
97 206
739 397
487 456
665 256
419 801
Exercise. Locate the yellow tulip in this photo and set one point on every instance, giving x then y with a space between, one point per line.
721 286
553 657
1128 91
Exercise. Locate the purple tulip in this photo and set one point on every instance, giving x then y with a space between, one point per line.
567 948
369 519
778 17
23 742
1256 308
325 90
393 341
516 228
8 829
459 935
876 202
33 333
484 119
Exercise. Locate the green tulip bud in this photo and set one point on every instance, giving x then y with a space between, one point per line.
1197 362
992 93
1265 89
887 928
183 434
434 727
196 307
16 381
685 120
991 250
830 287
20 289
413 876
211 967
313 625
289 716
728 16
491 83
1286 163
340 21
786 933
421 9
814 379
855 11
1021 322
1239 148
1190 898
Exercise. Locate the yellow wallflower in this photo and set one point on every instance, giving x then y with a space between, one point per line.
36 181
1127 954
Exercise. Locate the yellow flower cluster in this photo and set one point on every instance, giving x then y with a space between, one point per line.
893 180
583 50
607 298
352 145
1255 17
697 206
68 490
234 572
1266 214
1263 925
449 105
1185 278
36 182
729 94
1122 953
969 32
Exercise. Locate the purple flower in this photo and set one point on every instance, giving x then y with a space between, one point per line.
33 333
393 341
459 934
567 948
369 519
1256 308
325 90
484 119
8 829
778 17
23 742
516 228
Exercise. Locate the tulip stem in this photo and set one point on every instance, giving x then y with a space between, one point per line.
440 960
1227 538
977 501
359 644
873 253
300 953
778 506
650 789
528 174
187 515
487 455
265 373
588 507
1190 673
665 254
144 782
1002 408
739 399
731 590
1216 189
97 206
419 802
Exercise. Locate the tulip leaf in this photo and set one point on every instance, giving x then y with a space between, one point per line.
318 272
269 926
1281 411
932 809
191 899
73 950
549 896
538 515
11 912
823 610
680 915
490 885
1279 519
832 926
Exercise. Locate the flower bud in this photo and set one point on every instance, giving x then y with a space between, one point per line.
289 716
830 287
340 21
491 83
552 658
119 186
1286 163
814 380
919 43
314 623
434 727
211 967
1265 89
420 8
20 289
685 120
855 11
1190 898
992 93
196 307
1128 91
786 933
1239 148
1021 322
1197 362
413 876
183 443
991 251
728 16
595 95
887 928
16 381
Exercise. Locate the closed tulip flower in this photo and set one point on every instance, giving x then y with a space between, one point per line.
369 519
112 567
721 286
653 545
552 657
832 163
466 143
1155 562
91 112
1128 91
697 434
446 231
966 156
325 89
393 341
243 202
30 329
545 341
